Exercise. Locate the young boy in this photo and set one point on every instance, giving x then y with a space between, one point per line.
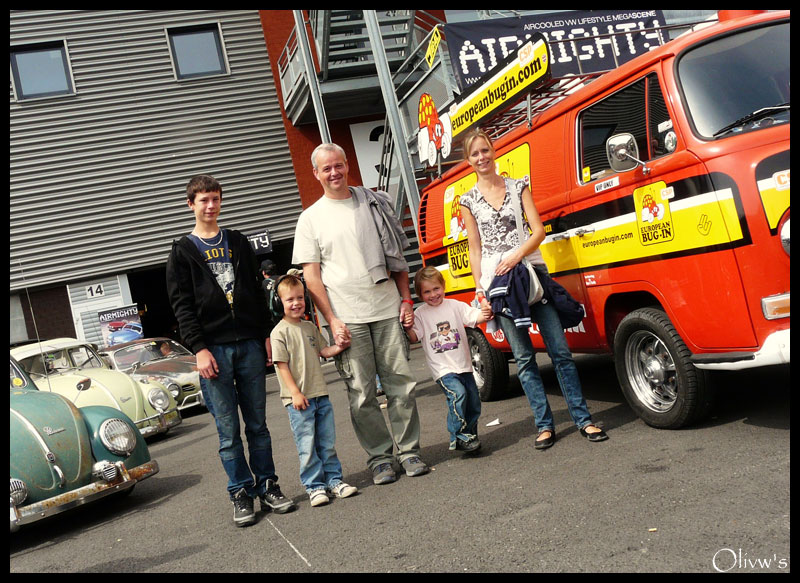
296 347
439 325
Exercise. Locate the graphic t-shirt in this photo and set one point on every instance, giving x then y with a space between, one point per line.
441 330
217 255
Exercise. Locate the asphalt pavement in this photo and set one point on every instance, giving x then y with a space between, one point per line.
714 497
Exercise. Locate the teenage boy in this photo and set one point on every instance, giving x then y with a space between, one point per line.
297 345
214 288
358 279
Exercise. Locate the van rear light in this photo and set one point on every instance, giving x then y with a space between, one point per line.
776 306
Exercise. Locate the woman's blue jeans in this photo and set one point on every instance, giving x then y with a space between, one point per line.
241 385
315 434
545 315
463 406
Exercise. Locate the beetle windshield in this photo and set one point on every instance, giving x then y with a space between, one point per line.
738 82
125 358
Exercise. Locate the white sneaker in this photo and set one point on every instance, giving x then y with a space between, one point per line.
318 497
342 490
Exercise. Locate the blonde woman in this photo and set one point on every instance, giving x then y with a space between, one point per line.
494 244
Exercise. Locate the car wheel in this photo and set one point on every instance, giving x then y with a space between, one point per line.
489 366
654 369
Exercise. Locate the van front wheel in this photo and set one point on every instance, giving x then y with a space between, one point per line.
489 366
658 380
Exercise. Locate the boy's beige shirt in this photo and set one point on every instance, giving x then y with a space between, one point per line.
299 345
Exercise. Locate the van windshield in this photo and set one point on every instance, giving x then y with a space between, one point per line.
739 82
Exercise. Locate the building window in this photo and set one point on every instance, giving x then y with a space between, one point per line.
197 51
41 70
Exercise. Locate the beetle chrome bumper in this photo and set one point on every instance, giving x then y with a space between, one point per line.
125 479
165 421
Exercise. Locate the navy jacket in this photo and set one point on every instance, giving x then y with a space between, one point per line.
508 295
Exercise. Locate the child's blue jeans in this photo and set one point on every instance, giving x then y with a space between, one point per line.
463 406
315 434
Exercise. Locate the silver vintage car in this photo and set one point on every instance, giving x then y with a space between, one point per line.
163 360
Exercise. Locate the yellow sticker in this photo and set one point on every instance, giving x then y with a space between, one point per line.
653 218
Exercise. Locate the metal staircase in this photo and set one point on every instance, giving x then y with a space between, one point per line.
347 77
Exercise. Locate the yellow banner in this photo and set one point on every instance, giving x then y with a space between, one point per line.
525 72
658 226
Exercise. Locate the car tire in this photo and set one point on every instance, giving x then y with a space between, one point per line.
653 366
489 366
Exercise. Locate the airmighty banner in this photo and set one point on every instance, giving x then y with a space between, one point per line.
477 47
518 74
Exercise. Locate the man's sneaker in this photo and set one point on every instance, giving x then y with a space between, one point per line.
342 490
383 474
274 499
243 513
318 497
414 467
471 446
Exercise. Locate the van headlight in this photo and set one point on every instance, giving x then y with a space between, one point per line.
117 437
783 229
159 399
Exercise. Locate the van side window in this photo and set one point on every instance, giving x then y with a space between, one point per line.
638 109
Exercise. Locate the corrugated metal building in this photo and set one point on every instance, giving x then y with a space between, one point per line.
98 171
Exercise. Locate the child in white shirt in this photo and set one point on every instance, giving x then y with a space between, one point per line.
297 345
440 325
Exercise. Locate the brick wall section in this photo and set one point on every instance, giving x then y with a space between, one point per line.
53 313
278 25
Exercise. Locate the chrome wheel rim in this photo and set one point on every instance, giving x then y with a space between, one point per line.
477 363
651 371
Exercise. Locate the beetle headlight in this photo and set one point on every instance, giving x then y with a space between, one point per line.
19 491
174 389
159 399
118 437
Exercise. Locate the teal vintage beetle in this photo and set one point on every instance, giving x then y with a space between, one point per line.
62 457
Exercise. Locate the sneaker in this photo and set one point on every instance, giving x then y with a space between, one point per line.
318 497
383 474
274 499
470 446
342 490
414 467
243 513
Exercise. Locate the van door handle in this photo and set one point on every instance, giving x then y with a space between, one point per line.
586 231
561 236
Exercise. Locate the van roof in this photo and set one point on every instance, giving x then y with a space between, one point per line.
566 93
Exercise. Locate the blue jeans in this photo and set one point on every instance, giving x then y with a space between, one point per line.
463 406
546 317
241 385
315 434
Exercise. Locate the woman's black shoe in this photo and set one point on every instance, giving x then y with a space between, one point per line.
596 436
545 443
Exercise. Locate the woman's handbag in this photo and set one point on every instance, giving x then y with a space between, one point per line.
535 291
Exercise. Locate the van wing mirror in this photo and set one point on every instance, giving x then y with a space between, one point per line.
623 153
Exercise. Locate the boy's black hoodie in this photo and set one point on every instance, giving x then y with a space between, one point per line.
204 315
